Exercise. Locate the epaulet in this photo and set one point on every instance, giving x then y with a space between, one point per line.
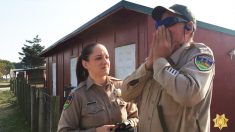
115 79
82 84
75 89
202 48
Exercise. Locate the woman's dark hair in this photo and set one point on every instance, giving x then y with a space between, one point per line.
82 72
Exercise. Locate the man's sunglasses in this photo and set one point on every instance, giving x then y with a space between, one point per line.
169 21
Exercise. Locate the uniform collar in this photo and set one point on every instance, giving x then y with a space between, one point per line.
109 81
90 82
177 54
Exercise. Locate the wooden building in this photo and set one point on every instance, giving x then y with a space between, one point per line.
126 30
33 76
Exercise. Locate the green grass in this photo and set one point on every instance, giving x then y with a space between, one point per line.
11 117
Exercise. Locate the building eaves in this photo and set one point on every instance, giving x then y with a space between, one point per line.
122 4
215 28
130 6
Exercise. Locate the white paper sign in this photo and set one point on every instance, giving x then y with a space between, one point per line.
124 60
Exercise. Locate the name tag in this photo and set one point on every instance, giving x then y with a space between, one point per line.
89 103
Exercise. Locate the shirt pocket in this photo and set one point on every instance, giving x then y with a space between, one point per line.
94 108
93 113
121 103
121 109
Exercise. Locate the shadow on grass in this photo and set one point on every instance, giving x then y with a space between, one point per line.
3 85
11 117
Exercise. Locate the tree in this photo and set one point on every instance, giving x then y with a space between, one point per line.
18 65
5 67
30 53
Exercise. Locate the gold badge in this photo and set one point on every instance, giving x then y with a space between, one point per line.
117 92
220 121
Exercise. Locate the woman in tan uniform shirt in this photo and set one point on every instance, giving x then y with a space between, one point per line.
95 105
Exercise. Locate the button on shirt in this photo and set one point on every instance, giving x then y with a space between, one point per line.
94 106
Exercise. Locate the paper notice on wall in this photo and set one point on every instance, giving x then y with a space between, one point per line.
124 60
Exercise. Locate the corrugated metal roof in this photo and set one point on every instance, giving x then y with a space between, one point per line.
130 6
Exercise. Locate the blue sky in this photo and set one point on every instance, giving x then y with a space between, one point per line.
22 20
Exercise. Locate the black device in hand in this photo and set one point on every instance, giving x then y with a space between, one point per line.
123 127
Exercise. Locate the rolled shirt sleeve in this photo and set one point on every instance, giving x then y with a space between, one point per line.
132 112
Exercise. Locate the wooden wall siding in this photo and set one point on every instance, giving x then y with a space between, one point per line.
49 76
223 92
48 80
75 49
142 51
67 57
112 32
116 31
106 37
131 30
60 76
126 30
90 38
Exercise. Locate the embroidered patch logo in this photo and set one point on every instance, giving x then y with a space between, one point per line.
68 101
220 121
203 62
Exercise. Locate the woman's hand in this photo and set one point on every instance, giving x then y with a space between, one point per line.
105 128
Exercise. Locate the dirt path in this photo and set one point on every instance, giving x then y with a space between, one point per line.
5 89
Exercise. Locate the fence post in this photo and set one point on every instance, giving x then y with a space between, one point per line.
11 84
28 104
54 113
33 117
41 115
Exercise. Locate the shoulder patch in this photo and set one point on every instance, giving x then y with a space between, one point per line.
203 62
68 101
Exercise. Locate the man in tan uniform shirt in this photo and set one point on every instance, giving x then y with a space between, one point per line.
173 88
90 106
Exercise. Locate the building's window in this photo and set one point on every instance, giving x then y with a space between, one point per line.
54 79
73 76
124 60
